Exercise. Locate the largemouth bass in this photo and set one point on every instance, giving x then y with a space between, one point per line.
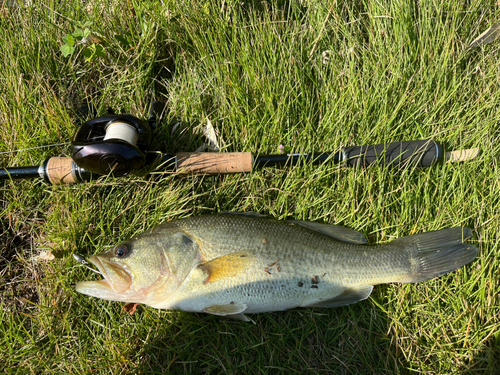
234 264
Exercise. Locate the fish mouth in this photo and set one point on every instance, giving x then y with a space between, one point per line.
116 280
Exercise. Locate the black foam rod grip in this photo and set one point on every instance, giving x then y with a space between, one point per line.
423 153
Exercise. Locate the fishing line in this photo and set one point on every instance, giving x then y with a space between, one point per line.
84 263
34 148
123 132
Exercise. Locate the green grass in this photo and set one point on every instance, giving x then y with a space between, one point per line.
311 75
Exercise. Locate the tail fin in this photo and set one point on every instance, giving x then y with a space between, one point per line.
432 254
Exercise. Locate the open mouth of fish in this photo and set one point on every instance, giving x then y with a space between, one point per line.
116 278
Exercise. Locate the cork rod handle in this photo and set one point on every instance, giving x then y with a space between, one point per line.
213 163
59 171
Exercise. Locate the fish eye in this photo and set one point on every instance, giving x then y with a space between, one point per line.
121 251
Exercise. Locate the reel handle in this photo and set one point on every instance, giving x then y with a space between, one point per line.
155 112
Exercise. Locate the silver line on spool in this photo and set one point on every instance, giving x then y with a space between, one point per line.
122 131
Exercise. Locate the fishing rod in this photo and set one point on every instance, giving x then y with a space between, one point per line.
119 145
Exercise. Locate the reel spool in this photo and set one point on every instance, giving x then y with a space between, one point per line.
112 145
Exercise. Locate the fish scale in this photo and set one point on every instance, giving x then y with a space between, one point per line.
334 264
231 264
306 252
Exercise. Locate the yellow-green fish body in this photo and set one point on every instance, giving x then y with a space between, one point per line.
232 264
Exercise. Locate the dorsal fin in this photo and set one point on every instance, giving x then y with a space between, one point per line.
336 232
247 214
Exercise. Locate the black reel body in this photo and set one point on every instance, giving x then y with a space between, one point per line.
114 144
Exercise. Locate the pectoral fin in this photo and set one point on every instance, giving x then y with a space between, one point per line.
347 297
233 310
336 232
226 266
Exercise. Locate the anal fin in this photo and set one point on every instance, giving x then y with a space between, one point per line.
349 296
239 316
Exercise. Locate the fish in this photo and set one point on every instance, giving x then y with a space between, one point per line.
233 264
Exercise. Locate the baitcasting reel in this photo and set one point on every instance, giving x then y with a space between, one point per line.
114 144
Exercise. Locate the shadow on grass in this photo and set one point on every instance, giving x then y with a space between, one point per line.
344 340
349 340
18 289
